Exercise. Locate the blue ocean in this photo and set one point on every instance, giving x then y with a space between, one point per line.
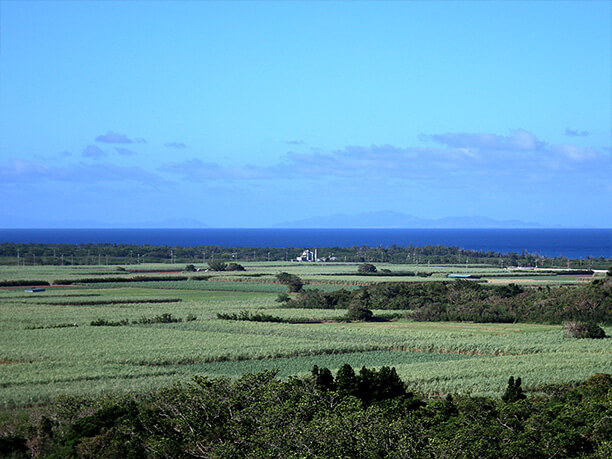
571 243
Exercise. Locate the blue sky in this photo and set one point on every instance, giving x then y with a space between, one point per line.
245 114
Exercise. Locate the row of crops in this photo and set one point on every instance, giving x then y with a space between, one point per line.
50 348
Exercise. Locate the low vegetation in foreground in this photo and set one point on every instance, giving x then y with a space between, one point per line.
364 413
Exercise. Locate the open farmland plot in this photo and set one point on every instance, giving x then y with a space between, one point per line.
43 353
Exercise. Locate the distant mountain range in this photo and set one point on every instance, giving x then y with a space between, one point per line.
389 219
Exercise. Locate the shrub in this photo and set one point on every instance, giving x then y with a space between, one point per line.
246 315
190 268
577 329
366 268
22 283
235 267
164 318
216 265
359 313
282 298
109 323
191 317
292 281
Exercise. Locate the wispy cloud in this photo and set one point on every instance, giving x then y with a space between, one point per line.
197 170
520 140
194 169
179 145
295 142
125 151
575 153
93 151
460 157
113 137
575 133
19 171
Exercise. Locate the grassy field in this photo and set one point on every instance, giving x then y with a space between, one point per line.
49 347
326 273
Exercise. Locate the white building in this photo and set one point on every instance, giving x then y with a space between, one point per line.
307 255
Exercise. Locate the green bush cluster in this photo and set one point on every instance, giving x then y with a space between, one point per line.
164 318
464 300
292 281
382 273
583 330
261 317
64 325
109 323
22 283
216 265
366 268
235 267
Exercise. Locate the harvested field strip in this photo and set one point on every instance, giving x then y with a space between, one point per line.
102 280
202 285
154 271
111 302
44 296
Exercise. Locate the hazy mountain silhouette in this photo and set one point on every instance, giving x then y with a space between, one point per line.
389 219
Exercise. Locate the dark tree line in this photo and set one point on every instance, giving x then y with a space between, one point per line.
464 300
107 253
